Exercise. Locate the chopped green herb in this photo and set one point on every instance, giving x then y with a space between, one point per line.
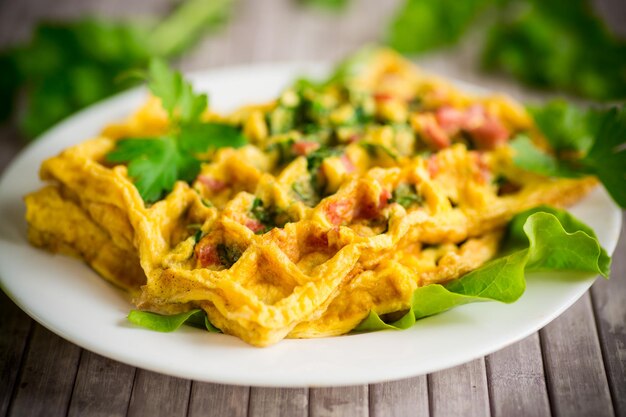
406 196
198 236
228 254
270 217
260 213
284 149
314 162
376 150
314 159
305 192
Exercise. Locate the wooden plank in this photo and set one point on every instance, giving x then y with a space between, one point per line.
47 377
407 397
609 305
516 380
339 401
102 387
573 363
156 395
15 327
216 400
17 18
459 391
278 402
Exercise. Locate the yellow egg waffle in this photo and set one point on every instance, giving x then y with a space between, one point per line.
394 181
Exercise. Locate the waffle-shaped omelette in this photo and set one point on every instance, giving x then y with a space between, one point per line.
349 195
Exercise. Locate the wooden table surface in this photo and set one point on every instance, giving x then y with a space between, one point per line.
575 366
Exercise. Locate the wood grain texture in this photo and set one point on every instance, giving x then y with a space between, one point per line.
406 397
15 327
157 395
339 402
47 377
575 373
517 382
102 387
278 402
609 305
459 391
216 400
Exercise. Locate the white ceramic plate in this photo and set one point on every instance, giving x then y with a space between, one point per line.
68 298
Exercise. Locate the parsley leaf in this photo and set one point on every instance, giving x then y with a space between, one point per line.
199 137
175 93
155 164
597 136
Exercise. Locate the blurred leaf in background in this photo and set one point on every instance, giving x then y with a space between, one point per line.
555 44
332 5
558 44
423 25
67 66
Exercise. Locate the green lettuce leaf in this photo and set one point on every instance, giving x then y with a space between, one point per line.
584 142
540 239
169 323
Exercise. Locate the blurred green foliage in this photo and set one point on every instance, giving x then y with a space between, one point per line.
67 66
333 5
423 25
558 44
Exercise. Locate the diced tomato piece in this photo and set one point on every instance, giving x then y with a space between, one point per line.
254 225
433 134
207 254
213 184
486 130
382 96
304 147
347 163
339 211
473 117
433 166
385 195
484 174
451 120
490 134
